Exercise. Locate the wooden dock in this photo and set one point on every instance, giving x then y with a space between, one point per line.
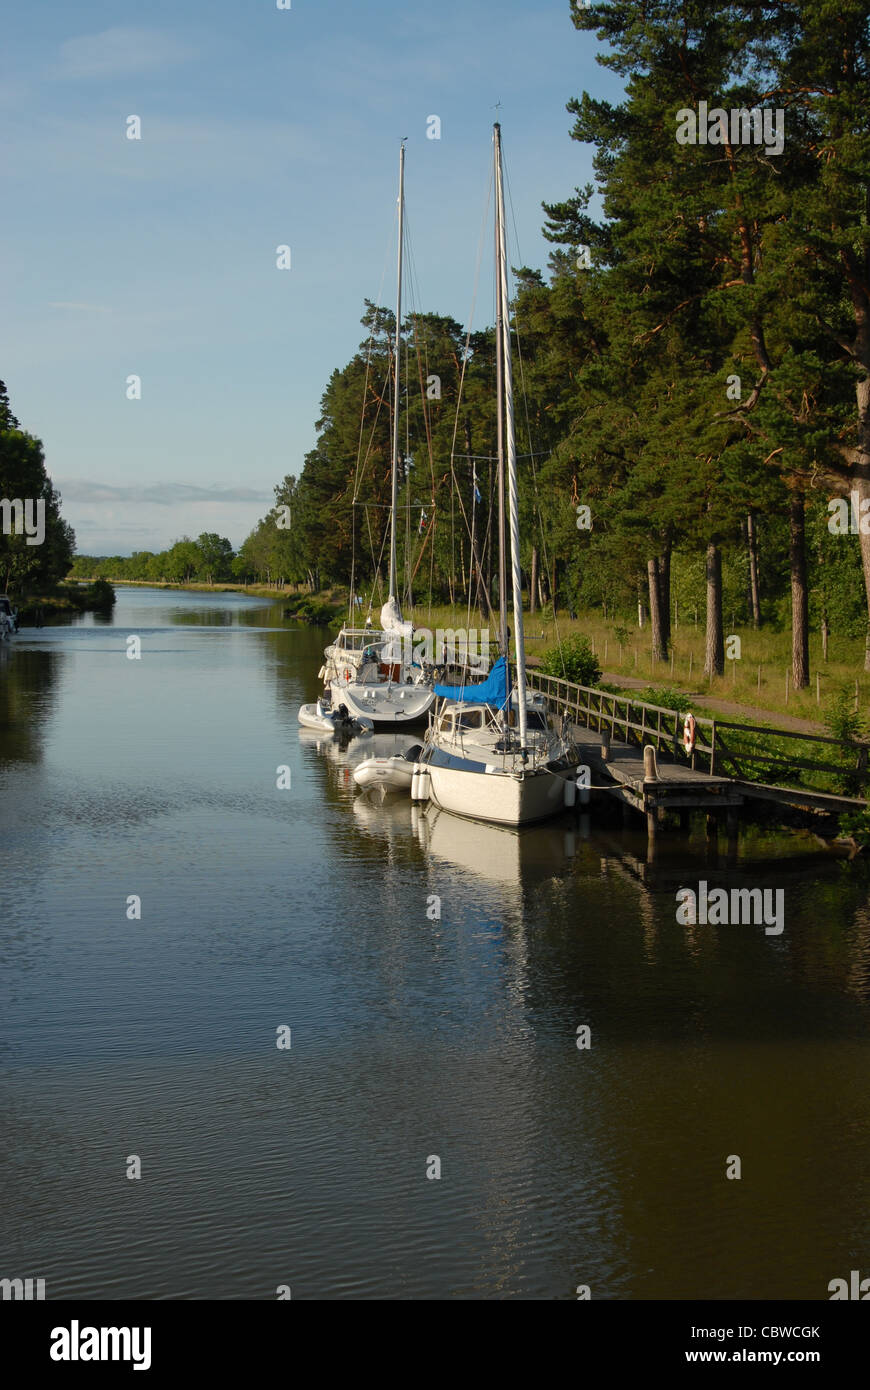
612 732
676 787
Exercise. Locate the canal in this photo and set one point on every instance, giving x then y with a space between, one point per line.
430 976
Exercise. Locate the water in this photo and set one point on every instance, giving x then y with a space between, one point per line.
413 1036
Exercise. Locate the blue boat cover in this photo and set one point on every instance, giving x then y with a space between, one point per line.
492 691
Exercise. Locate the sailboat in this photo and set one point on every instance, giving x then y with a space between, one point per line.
368 670
491 752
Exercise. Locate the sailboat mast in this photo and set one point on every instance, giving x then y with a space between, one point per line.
499 378
394 504
511 449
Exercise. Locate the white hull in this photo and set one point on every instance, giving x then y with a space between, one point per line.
389 705
394 774
503 798
315 717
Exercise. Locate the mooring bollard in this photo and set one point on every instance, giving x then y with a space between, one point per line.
605 745
650 770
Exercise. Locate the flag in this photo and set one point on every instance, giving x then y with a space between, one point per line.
474 482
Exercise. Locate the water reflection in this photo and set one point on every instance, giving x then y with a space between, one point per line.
434 971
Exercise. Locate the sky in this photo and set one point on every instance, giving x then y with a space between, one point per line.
260 127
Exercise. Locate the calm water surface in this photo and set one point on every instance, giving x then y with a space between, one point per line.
411 1037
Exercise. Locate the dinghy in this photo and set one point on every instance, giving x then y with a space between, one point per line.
332 721
393 773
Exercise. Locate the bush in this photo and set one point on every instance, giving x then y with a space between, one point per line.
842 720
101 596
665 697
856 826
573 660
312 611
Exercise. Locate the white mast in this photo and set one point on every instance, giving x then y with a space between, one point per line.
397 379
510 439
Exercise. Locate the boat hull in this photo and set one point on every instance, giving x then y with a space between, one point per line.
503 799
312 717
394 774
387 706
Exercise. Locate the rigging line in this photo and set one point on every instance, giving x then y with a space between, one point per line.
401 506
412 565
416 300
465 357
540 518
371 343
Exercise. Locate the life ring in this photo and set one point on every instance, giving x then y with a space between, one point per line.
689 734
347 675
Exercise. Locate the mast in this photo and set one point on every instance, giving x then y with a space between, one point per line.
510 439
397 379
499 378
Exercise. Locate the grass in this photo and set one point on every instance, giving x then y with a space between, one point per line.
741 684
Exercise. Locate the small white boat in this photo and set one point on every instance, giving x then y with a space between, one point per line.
393 773
332 721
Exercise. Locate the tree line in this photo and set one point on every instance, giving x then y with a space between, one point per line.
692 369
32 557
694 366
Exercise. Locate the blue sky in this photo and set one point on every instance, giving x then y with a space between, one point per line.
260 127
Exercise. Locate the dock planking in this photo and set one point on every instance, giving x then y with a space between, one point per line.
678 786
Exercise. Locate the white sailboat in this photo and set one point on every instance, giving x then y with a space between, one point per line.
491 753
368 670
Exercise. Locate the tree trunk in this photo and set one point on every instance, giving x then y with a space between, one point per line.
800 627
862 487
754 593
714 650
861 475
659 641
663 575
555 583
534 581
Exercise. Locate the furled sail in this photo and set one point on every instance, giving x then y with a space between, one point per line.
492 691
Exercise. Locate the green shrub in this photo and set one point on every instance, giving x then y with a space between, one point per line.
101 596
573 660
664 696
843 721
857 825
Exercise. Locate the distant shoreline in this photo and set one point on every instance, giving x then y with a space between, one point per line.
258 590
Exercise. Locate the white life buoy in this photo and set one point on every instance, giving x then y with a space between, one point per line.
689 734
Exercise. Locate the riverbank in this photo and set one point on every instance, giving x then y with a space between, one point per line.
65 599
756 685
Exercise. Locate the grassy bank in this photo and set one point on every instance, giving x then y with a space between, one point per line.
757 680
70 599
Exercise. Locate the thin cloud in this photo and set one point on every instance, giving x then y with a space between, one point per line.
87 308
81 490
119 52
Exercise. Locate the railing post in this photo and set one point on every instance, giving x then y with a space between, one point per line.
712 751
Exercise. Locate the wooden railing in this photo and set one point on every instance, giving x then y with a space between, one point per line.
630 720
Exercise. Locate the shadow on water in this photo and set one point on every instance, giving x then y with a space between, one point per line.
29 682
